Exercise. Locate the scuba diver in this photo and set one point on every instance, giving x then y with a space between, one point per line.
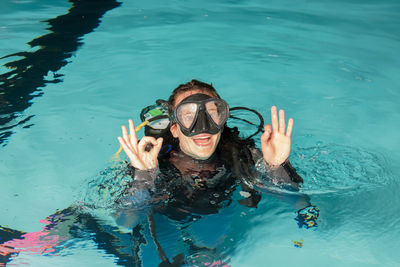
205 155
188 165
193 164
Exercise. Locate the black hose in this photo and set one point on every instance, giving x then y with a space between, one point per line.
260 127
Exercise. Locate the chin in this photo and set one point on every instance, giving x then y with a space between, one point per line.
202 155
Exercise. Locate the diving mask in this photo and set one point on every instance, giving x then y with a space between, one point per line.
200 113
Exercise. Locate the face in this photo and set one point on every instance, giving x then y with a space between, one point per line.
200 146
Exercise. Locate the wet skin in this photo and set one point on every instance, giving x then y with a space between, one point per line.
200 146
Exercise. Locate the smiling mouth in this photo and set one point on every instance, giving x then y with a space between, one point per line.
202 140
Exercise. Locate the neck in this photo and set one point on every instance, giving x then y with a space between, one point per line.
184 162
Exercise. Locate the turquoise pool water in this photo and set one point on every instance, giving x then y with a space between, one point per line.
91 65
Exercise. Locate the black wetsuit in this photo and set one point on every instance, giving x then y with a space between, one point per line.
181 194
182 188
185 186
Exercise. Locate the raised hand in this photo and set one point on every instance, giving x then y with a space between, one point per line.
143 154
275 143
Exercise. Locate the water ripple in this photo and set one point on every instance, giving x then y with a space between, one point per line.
333 167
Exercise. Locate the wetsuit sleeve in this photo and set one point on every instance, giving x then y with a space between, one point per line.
142 186
143 178
283 174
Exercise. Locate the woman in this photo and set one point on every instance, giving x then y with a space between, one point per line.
208 157
207 162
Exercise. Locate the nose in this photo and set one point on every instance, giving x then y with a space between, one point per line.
201 123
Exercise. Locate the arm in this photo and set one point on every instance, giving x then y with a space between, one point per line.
142 179
284 174
143 165
275 146
273 161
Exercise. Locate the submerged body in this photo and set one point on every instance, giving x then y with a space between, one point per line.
182 186
207 162
208 159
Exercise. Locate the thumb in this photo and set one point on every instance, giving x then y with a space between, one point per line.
157 147
267 133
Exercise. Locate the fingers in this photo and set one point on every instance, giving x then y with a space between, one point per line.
125 136
268 129
159 142
282 123
132 155
145 141
267 133
132 131
289 128
274 119
157 147
126 148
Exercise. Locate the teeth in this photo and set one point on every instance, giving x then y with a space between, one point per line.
203 137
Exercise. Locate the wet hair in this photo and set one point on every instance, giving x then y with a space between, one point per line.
193 85
235 150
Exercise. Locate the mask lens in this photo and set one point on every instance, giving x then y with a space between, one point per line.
186 114
218 111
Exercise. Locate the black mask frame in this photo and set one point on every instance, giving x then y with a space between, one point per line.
202 122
